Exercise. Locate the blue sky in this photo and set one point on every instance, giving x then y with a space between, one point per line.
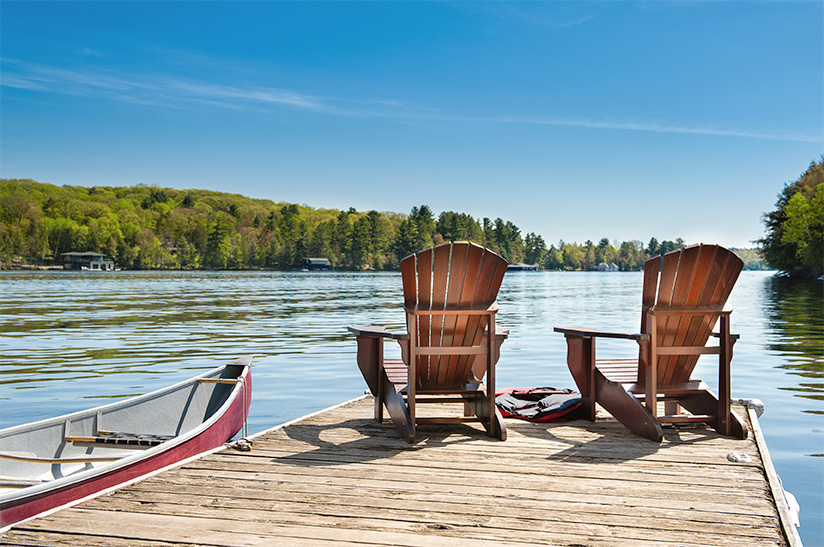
574 120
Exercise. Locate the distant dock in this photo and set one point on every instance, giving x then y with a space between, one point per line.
339 478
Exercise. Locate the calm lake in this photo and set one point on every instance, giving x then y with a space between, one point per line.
70 341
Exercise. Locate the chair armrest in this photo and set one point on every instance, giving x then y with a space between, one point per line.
416 309
381 332
733 337
594 333
376 332
370 330
692 310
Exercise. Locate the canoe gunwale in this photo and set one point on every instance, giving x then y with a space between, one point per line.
139 458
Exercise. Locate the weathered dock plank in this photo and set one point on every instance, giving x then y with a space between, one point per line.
339 478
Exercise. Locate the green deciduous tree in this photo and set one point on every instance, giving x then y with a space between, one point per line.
553 259
794 242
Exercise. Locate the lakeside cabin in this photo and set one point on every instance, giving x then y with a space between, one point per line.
317 264
521 267
87 261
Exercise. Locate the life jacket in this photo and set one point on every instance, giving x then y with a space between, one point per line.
537 404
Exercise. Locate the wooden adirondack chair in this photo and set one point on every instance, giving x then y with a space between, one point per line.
449 298
683 298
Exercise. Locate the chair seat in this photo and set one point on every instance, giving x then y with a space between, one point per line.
397 372
684 388
625 371
622 371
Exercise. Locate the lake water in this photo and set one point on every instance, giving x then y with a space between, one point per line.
70 341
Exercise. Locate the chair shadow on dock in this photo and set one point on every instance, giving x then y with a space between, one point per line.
368 441
604 442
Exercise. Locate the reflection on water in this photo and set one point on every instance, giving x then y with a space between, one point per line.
70 340
796 320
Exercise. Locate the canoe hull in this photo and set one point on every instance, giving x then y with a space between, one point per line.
221 427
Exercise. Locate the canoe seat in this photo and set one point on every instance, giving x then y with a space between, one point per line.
119 437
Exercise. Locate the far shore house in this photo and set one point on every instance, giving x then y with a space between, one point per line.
521 267
317 264
604 267
87 261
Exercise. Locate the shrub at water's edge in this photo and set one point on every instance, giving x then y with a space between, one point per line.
146 227
794 243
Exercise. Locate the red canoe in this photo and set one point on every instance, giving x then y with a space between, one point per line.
58 462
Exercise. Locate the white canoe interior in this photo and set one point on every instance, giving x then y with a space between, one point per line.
55 448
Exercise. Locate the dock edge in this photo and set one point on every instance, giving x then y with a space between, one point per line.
776 488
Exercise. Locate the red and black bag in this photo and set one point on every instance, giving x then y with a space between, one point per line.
537 404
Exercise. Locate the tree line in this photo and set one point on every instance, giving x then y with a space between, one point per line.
146 227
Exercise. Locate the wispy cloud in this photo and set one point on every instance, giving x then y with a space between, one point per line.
10 80
149 89
168 91
253 95
663 127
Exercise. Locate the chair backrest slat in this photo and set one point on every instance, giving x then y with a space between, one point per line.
699 275
465 326
410 281
456 276
652 270
698 328
419 291
440 285
671 331
668 293
449 333
490 277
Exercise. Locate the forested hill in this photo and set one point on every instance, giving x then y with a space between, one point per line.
150 227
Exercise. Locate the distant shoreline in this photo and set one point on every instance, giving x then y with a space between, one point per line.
53 268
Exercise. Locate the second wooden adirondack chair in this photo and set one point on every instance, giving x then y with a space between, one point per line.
449 299
683 298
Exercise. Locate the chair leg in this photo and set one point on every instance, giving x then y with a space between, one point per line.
671 408
398 411
581 363
625 408
594 386
705 402
467 411
370 361
498 426
494 424
379 409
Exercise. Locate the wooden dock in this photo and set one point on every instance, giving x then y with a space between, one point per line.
339 478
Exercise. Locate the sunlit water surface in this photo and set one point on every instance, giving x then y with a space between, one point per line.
70 341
